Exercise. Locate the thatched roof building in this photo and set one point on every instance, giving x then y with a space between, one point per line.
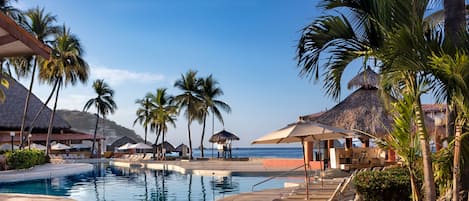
11 110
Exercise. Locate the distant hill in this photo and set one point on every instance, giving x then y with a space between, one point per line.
85 122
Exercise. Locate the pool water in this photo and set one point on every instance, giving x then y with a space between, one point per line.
115 183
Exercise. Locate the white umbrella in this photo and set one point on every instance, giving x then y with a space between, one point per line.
140 146
301 132
80 146
304 131
125 146
59 146
7 147
37 146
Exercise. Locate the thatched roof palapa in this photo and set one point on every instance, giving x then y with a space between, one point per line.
367 79
166 145
181 147
222 137
11 110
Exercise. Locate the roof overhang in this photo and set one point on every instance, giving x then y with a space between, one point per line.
15 41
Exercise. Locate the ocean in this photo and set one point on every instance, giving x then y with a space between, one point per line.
264 152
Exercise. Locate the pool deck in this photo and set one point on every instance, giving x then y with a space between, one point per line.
253 167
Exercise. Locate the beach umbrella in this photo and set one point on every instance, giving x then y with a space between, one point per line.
125 146
80 146
222 136
37 146
304 131
60 146
140 145
166 145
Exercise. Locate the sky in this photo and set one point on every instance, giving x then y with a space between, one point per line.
247 45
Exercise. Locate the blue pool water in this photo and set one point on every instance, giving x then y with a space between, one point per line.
114 183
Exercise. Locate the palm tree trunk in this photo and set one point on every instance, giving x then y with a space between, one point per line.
146 131
455 19
202 137
456 162
428 178
31 126
190 138
26 103
413 184
93 155
156 143
51 121
162 146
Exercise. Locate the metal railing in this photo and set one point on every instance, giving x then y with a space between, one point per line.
273 177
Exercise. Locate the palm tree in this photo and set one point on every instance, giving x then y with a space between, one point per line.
143 113
188 101
392 34
66 66
104 104
40 24
162 112
208 93
452 71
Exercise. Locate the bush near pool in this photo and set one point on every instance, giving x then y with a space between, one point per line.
25 158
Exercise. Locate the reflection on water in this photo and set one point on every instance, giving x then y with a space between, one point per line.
115 183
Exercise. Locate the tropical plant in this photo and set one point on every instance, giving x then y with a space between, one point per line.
41 25
66 66
188 101
104 104
143 113
163 111
208 93
452 71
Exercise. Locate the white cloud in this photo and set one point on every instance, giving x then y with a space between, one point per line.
119 76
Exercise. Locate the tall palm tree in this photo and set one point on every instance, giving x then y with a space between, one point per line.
208 93
391 33
188 101
143 113
452 71
66 66
104 104
41 25
163 111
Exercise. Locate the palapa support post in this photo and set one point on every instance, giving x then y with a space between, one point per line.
306 171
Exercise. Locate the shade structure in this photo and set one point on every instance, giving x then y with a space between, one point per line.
80 146
223 136
166 145
60 146
181 147
37 146
140 145
7 147
304 131
16 41
125 146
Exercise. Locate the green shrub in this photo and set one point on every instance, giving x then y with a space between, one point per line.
22 159
387 185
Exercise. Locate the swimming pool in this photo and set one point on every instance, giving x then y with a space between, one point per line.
108 183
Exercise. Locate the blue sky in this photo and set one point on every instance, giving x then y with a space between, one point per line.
248 45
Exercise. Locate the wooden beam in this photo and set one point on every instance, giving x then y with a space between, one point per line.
7 39
26 38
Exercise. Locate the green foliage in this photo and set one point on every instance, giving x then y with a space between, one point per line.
26 158
443 166
387 185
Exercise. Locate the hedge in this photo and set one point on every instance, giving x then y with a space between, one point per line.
26 158
388 185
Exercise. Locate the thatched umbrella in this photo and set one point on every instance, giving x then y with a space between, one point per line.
222 137
181 147
166 145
